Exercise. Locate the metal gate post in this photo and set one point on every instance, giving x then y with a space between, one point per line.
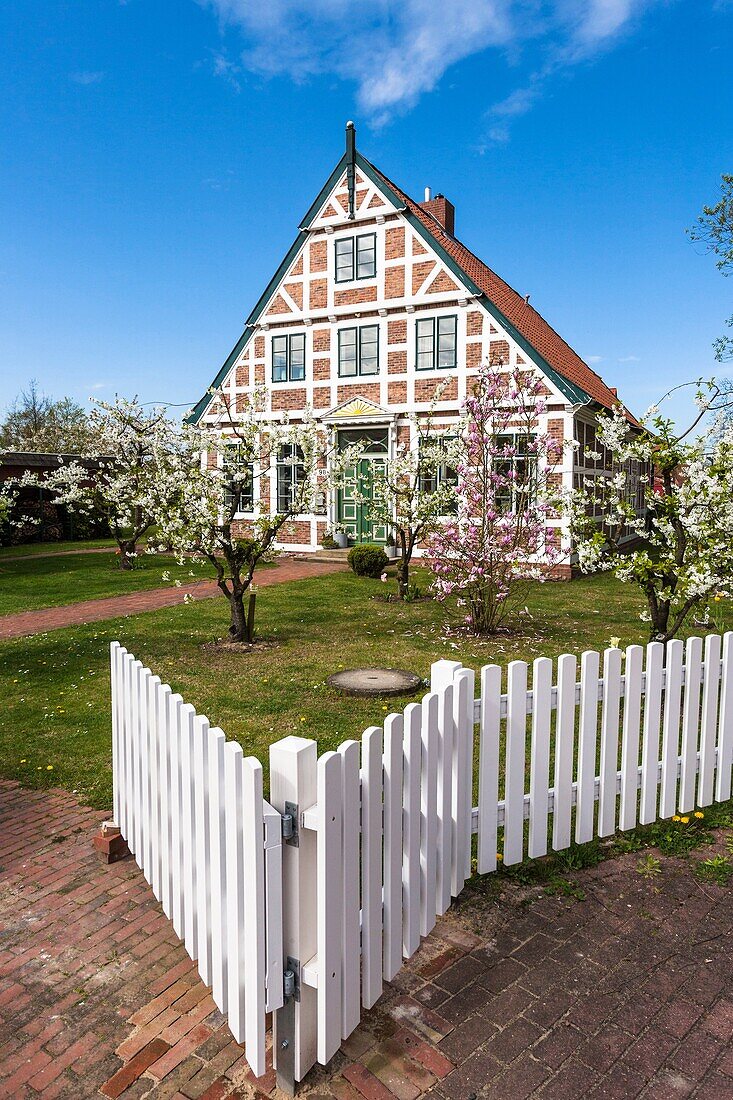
293 790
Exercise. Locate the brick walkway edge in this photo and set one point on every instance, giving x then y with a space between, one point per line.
25 623
625 990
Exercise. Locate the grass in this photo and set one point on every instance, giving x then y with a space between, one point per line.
54 688
44 549
34 582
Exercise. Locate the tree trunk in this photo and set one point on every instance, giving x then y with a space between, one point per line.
403 578
238 618
659 629
128 548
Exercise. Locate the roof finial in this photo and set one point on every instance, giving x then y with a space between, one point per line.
351 166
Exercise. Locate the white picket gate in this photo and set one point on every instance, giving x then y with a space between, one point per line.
379 834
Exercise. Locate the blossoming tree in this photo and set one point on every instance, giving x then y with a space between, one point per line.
506 494
209 477
684 558
408 495
129 442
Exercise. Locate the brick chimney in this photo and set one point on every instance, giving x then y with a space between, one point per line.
442 210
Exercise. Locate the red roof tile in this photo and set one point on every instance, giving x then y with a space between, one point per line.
516 309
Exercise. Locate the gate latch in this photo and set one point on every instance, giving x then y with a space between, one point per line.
291 979
290 825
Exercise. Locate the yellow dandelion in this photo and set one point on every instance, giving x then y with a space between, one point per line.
24 761
499 857
302 719
685 820
675 817
699 815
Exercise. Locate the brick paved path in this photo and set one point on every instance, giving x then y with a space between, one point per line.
112 607
627 992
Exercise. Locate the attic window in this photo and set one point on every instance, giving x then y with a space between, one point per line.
288 358
356 257
436 342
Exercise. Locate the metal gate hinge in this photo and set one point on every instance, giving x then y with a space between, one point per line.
291 825
291 979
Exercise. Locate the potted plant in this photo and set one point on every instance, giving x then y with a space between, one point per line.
328 542
341 536
391 547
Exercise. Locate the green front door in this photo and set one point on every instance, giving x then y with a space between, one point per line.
354 497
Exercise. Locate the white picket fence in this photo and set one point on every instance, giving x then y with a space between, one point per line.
383 828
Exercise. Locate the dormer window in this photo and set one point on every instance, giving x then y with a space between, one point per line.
356 257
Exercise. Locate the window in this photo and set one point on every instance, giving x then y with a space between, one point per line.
436 476
288 358
517 466
239 477
436 343
371 439
356 258
290 475
358 351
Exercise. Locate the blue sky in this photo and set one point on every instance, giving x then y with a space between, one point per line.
157 159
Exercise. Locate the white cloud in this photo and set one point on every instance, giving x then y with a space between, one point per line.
594 359
398 50
86 77
630 359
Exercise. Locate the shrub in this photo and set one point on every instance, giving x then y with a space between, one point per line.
368 560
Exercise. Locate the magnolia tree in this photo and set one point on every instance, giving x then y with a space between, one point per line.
206 473
120 480
685 558
408 495
506 493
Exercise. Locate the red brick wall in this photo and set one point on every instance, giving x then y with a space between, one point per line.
370 392
396 362
354 296
259 347
322 397
396 332
394 244
321 339
474 323
321 369
473 355
398 393
242 376
295 290
394 282
318 294
319 254
297 531
420 273
499 352
288 399
425 389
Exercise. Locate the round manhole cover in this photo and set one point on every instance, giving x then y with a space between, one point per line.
375 681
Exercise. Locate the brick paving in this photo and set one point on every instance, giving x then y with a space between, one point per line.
25 623
625 992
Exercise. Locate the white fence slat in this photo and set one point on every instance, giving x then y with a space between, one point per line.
587 740
564 751
175 703
610 715
234 843
134 755
164 780
188 825
630 737
252 974
330 904
428 813
203 849
274 953
122 735
145 750
115 694
539 776
154 787
671 726
371 866
392 863
217 839
650 732
488 767
725 725
351 934
462 782
411 766
446 742
516 732
690 723
709 727
141 674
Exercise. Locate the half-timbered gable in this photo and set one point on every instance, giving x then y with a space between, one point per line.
377 305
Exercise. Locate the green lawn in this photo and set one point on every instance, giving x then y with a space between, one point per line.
37 549
35 582
54 688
